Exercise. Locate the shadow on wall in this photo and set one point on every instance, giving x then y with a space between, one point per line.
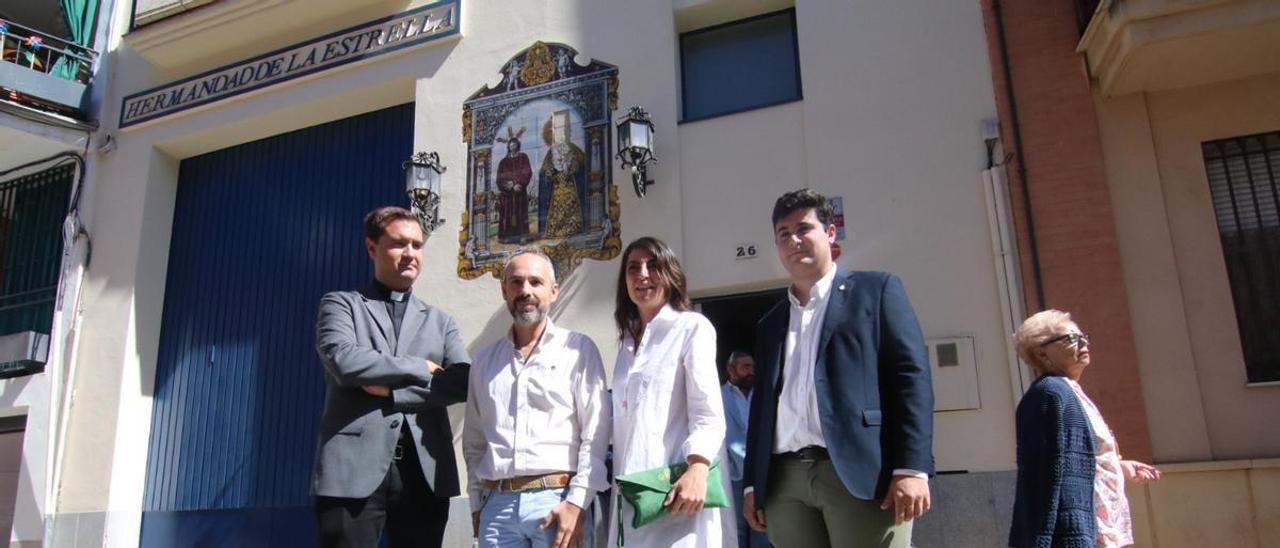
496 327
13 389
969 511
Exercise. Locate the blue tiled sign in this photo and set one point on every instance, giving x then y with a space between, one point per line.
385 35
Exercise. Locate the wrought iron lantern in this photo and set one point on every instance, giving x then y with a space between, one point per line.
635 147
422 184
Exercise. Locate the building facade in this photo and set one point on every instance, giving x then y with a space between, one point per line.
999 158
1147 164
51 87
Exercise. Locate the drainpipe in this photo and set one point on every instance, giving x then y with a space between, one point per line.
1016 130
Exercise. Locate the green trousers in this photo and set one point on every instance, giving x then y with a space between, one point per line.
809 507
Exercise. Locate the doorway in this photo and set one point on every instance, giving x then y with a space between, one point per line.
261 230
735 317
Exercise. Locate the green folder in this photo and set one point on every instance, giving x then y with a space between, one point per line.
645 491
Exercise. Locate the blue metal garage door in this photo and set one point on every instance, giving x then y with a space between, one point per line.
260 232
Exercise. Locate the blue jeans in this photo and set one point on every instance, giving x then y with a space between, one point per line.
512 520
747 537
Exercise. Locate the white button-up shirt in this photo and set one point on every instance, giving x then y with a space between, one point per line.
667 394
547 413
798 423
667 406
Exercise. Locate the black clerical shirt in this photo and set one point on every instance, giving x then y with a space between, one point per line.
396 302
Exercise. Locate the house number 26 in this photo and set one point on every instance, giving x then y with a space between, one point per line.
745 251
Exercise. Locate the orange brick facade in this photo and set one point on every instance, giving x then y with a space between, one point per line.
1080 269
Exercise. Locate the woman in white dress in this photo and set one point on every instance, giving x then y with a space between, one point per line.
666 400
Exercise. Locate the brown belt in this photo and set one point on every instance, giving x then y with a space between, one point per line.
529 483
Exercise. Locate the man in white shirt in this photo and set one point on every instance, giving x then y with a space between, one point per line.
537 421
736 393
840 445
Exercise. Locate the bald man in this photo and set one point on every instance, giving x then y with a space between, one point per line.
538 420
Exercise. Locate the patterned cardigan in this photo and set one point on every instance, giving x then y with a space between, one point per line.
1053 506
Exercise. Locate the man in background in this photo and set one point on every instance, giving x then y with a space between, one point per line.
736 393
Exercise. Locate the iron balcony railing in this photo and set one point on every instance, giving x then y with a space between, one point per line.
43 67
32 209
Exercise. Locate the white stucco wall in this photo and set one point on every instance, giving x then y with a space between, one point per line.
23 142
894 94
40 398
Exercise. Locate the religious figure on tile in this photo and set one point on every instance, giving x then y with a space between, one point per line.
562 180
540 169
514 174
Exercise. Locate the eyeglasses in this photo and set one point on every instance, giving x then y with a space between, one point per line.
1073 340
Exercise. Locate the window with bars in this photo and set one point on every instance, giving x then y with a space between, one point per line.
32 209
1244 176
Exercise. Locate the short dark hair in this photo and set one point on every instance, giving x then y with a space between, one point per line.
804 199
667 271
375 223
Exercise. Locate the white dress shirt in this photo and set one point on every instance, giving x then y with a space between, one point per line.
667 406
547 413
798 423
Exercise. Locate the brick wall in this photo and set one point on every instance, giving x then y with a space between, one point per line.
1074 228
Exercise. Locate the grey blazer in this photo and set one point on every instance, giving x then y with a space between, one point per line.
358 431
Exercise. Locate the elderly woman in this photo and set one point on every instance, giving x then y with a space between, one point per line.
1070 475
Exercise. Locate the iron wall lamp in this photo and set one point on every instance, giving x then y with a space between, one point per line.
635 147
422 184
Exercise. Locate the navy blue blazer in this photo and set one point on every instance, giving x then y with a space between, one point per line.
1053 507
875 397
